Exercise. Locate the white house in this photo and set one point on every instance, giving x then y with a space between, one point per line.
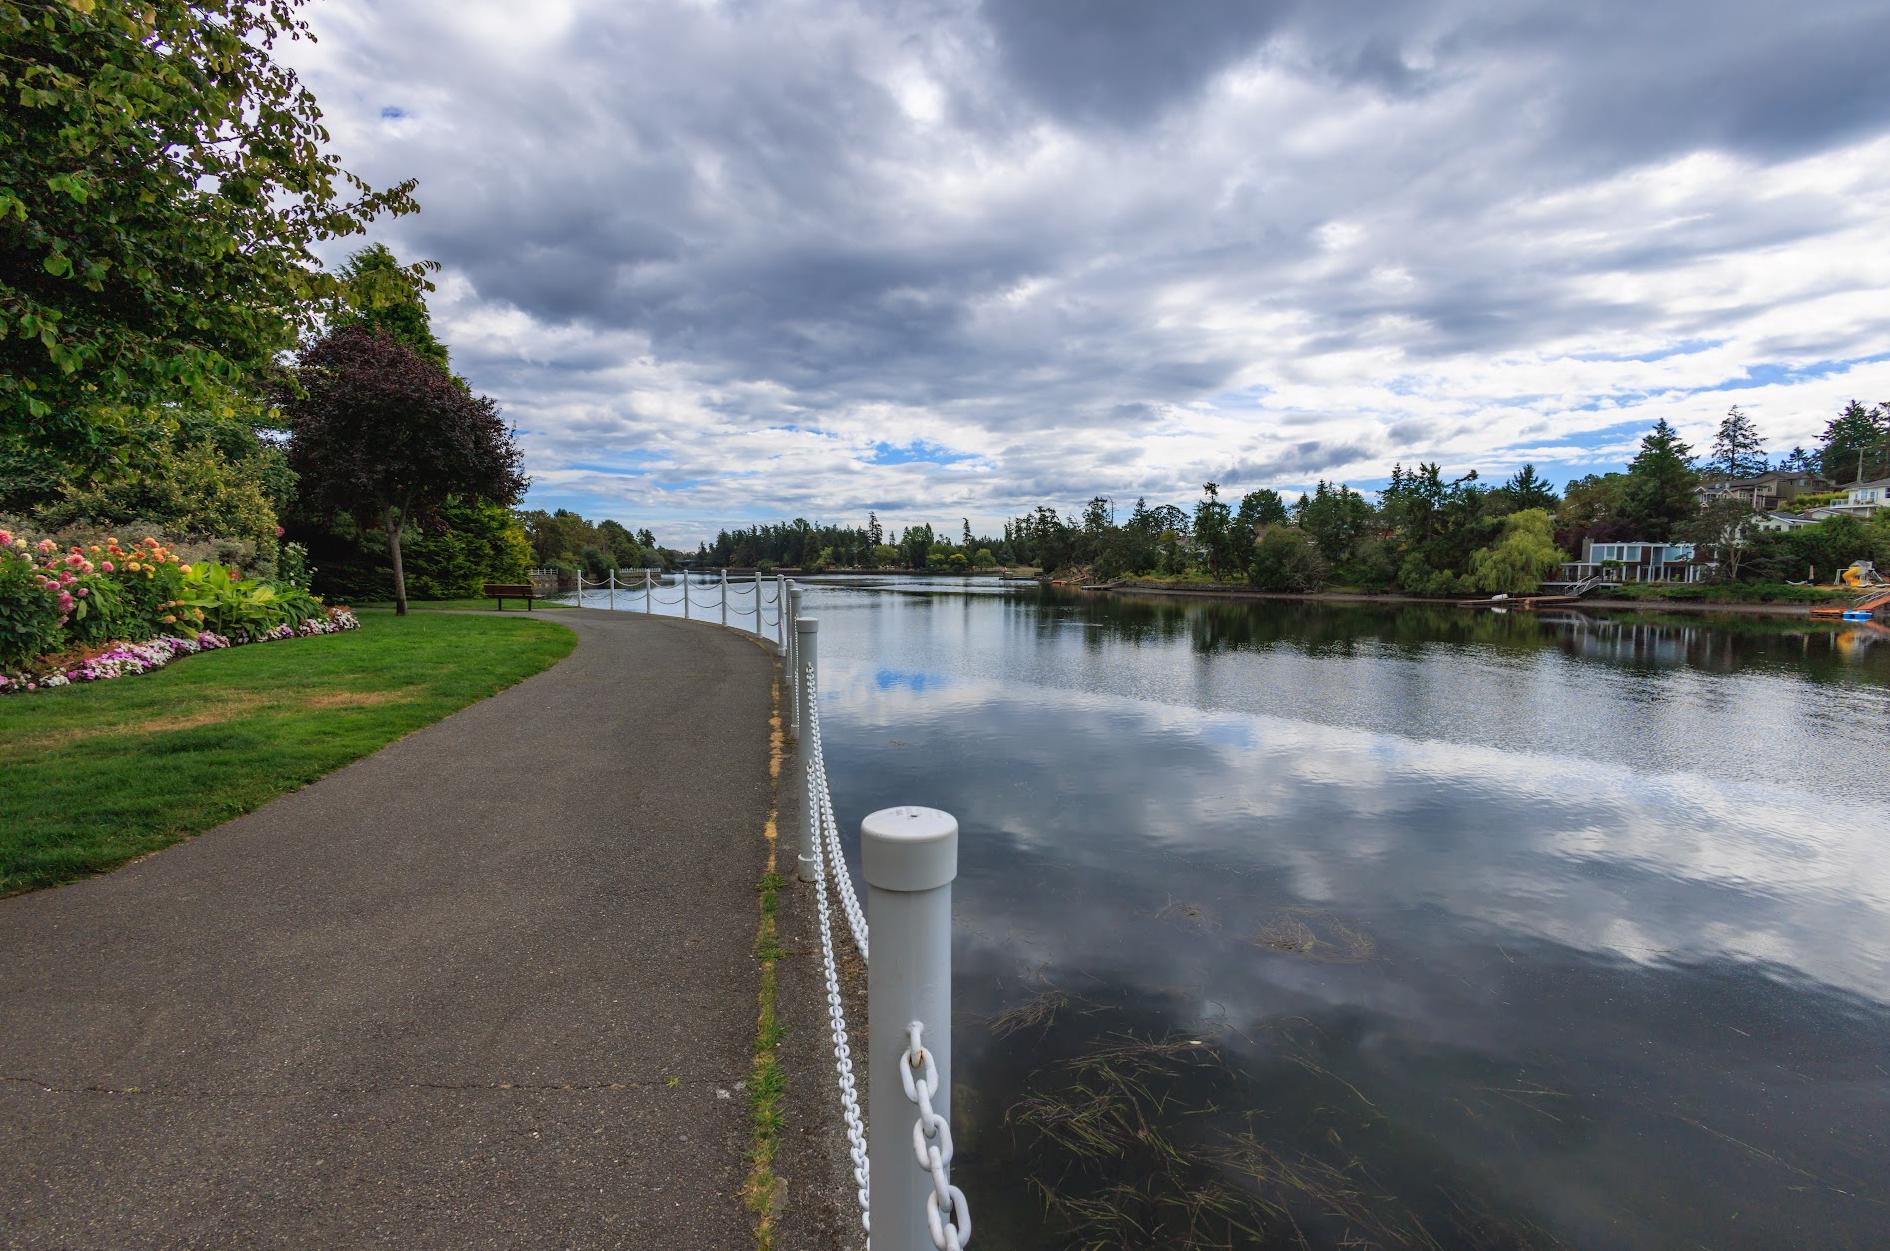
1862 499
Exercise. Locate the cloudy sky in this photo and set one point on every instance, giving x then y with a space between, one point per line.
747 260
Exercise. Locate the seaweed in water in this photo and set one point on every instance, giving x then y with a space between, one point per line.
1315 936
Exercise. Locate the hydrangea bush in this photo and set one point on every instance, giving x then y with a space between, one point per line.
65 614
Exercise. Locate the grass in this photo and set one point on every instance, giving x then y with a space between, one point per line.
762 1191
483 604
100 774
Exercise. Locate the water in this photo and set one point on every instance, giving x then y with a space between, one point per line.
1293 925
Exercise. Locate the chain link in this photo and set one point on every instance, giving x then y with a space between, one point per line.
947 1215
849 1096
826 828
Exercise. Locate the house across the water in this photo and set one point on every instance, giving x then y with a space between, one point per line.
1617 561
1862 499
1764 492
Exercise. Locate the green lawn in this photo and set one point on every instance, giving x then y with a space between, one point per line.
98 774
466 605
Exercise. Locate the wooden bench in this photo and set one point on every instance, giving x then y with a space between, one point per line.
514 590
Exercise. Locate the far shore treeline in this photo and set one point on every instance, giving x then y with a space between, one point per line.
1426 533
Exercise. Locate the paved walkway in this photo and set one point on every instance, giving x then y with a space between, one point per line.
490 987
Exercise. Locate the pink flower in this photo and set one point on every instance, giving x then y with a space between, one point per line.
280 532
76 559
6 540
81 592
65 601
108 567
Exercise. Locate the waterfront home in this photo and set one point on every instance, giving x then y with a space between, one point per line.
1774 522
1635 560
1861 500
1763 493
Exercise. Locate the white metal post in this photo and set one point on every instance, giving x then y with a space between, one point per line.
807 662
910 856
759 633
613 590
780 613
685 595
795 681
724 594
580 602
648 607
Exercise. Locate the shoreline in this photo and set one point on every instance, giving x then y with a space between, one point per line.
1366 597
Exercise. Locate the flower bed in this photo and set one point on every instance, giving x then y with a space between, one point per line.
65 613
126 659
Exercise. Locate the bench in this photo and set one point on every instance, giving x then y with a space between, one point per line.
501 591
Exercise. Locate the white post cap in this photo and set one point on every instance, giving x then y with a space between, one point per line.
909 849
806 625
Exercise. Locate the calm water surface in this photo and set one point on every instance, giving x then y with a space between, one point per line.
1294 925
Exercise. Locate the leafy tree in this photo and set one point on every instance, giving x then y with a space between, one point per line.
1213 530
163 181
1738 451
472 543
917 546
381 295
1527 489
1658 497
1722 531
1336 518
1258 509
1284 559
1856 444
387 436
1517 562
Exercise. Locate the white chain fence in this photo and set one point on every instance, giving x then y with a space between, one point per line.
948 1216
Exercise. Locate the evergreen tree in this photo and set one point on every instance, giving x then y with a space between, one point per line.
1738 450
1856 444
1213 531
1527 489
1799 460
1659 493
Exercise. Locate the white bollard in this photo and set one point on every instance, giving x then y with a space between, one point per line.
780 613
910 856
794 663
758 629
613 590
685 595
807 657
724 594
648 607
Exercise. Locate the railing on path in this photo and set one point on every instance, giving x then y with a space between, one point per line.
909 857
753 598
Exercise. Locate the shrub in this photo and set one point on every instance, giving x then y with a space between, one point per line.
30 621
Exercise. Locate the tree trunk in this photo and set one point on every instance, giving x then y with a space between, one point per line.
395 520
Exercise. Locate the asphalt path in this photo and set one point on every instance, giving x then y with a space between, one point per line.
492 986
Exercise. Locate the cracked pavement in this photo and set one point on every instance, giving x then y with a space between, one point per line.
492 986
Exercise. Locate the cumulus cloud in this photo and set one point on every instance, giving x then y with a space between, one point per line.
726 261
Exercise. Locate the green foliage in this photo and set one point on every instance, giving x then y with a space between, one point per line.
1336 518
163 182
386 436
193 488
1738 451
1519 560
473 543
382 296
1658 498
1214 532
1856 444
30 620
1284 559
